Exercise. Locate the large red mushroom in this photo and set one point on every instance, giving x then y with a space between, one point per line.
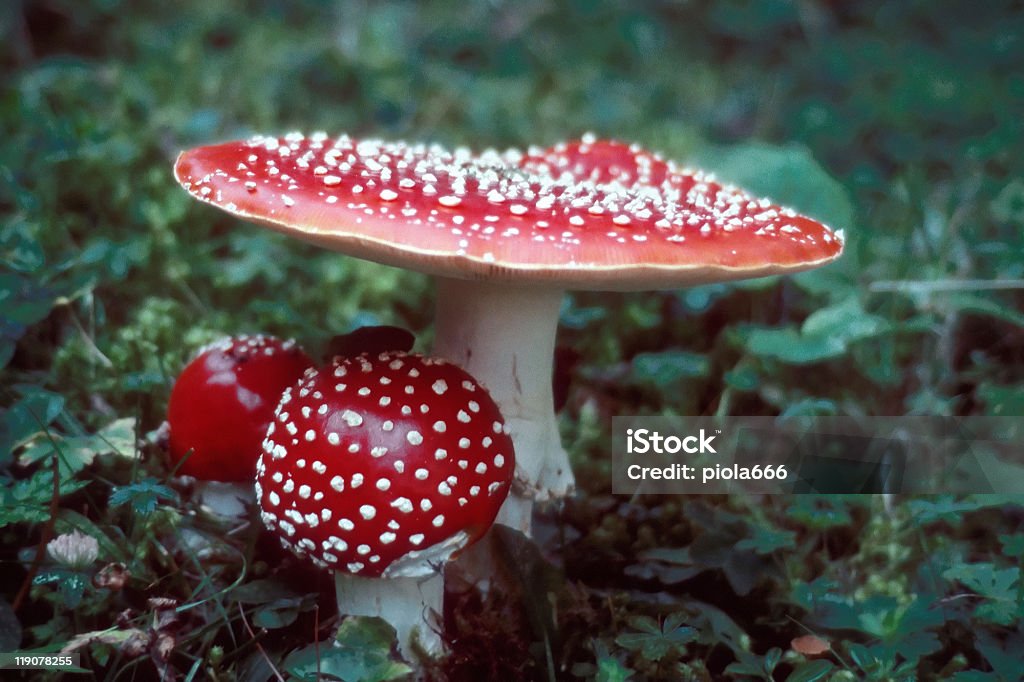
523 227
380 468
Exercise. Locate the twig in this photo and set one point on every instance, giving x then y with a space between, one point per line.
89 343
44 538
316 637
259 646
926 286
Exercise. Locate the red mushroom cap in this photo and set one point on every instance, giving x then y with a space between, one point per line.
585 215
223 402
382 465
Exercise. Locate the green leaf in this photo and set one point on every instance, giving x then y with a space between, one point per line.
863 657
1001 400
767 540
360 653
1013 545
668 368
654 641
277 614
35 411
28 500
143 496
811 671
943 508
998 586
365 633
846 320
789 346
77 452
826 333
610 669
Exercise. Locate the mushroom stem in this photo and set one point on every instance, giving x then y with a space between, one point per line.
411 605
229 501
505 337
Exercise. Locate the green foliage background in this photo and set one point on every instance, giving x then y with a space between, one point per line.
897 121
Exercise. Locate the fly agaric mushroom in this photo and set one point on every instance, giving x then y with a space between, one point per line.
219 411
589 214
381 468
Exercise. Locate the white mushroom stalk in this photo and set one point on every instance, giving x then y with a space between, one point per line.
505 337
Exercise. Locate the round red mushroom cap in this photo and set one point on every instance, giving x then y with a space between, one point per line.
590 214
384 464
223 402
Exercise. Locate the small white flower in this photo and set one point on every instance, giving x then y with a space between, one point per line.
73 549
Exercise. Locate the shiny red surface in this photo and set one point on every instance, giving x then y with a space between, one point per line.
223 401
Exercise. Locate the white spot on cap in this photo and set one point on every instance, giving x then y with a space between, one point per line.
414 437
367 511
403 504
383 484
440 386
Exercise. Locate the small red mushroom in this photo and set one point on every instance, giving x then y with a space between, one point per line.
219 411
381 468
